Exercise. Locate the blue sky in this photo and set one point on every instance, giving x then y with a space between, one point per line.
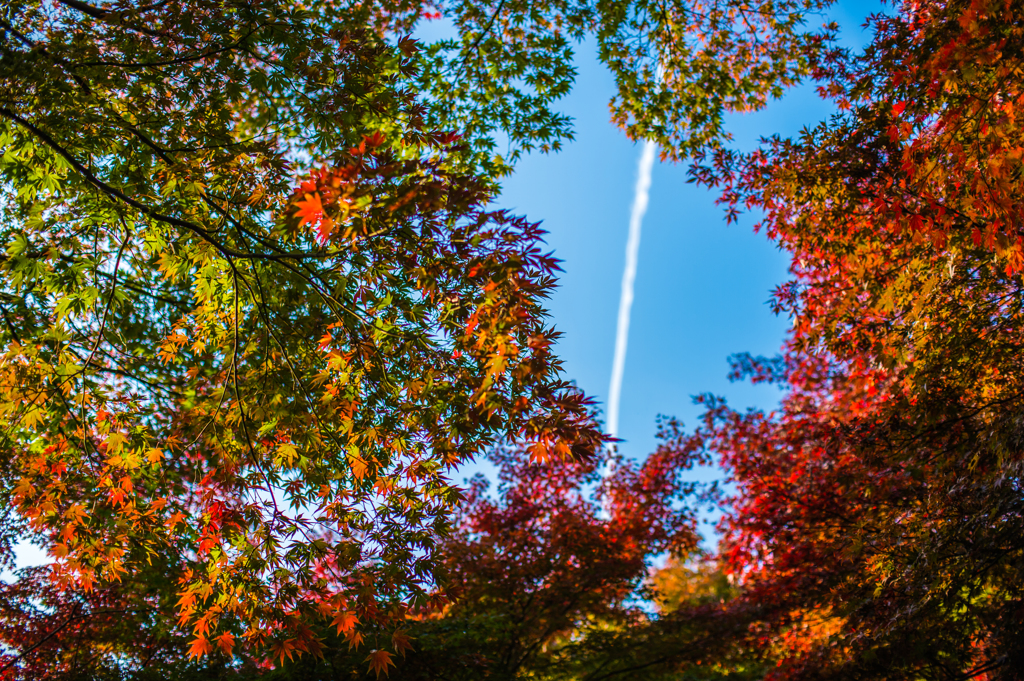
702 287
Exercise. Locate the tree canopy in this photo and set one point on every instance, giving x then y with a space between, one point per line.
878 515
256 302
259 380
258 306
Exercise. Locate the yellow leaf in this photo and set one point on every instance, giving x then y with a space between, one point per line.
287 453
115 442
32 418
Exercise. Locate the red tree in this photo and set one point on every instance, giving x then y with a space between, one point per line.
878 514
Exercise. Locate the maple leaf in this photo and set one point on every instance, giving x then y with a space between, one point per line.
287 453
401 642
354 638
115 442
409 45
377 138
202 626
325 229
379 661
358 466
283 649
226 642
539 452
199 647
116 496
310 209
345 622
187 600
206 544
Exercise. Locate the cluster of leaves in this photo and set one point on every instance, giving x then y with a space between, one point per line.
546 578
262 388
878 516
98 634
231 405
679 67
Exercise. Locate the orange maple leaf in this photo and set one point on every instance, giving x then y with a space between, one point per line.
345 622
187 600
471 324
379 661
401 641
538 453
354 638
310 209
325 229
175 518
358 467
226 642
202 625
200 646
283 649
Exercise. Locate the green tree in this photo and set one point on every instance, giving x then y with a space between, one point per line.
679 66
250 389
268 385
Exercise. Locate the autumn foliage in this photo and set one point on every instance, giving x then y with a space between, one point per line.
877 514
258 307
261 391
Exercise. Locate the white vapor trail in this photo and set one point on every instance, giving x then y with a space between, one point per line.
636 218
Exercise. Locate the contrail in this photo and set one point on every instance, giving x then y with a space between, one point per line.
642 192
